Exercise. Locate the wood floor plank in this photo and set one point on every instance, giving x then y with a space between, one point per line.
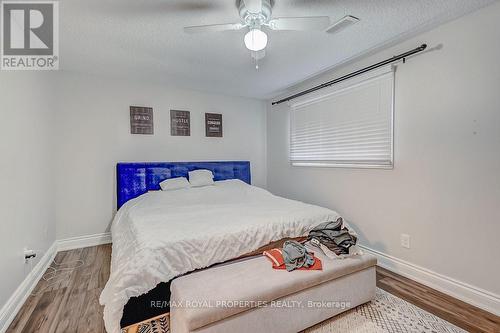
70 302
66 320
24 314
45 312
91 319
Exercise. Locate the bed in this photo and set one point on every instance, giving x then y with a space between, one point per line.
160 236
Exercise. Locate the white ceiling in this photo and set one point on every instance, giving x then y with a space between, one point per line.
144 40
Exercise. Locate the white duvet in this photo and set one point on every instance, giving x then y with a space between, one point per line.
161 235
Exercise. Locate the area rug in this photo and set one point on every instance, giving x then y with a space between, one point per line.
385 314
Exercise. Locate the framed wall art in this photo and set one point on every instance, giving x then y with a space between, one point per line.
213 125
180 123
141 120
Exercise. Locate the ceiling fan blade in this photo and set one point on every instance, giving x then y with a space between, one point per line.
342 24
253 6
313 23
213 28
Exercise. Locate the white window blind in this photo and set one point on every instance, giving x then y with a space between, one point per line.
349 124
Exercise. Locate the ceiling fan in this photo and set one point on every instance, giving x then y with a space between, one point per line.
257 14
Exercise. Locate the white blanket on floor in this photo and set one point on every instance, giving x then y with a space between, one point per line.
161 235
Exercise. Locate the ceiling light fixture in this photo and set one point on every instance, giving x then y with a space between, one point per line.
255 40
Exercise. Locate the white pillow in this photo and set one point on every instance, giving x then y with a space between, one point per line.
174 184
201 178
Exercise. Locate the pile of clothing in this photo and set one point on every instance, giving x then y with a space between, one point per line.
294 255
334 239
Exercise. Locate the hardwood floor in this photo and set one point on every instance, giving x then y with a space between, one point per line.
72 304
450 309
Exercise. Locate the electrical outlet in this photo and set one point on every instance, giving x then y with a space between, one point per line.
405 241
29 254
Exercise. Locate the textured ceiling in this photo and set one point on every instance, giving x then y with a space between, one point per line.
144 40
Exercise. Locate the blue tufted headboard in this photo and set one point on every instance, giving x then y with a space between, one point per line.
134 179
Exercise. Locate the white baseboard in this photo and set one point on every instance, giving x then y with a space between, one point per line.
9 311
481 298
83 241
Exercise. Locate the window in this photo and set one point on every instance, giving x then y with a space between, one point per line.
349 124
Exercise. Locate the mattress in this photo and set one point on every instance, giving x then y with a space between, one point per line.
164 234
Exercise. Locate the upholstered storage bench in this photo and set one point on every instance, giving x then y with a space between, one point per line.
269 300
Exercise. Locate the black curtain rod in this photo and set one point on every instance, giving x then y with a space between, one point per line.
353 74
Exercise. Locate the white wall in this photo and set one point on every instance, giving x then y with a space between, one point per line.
93 131
445 187
26 173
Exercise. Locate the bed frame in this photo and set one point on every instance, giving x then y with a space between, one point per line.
134 179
